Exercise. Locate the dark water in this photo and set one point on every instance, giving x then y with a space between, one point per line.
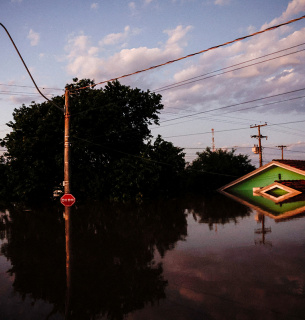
191 258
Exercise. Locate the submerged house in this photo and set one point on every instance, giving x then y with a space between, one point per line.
276 189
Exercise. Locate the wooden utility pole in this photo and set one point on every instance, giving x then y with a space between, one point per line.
282 147
67 144
259 137
213 141
67 191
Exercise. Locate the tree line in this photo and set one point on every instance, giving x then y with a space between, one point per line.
113 154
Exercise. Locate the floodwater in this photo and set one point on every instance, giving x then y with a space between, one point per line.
191 258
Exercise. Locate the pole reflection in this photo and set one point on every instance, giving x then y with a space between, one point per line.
263 230
67 216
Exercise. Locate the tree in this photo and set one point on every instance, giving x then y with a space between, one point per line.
210 170
157 170
109 130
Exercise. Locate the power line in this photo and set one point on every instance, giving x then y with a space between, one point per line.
15 93
194 54
122 152
234 105
28 71
190 80
223 114
206 132
234 129
31 87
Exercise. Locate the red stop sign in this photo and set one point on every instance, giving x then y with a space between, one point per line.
67 200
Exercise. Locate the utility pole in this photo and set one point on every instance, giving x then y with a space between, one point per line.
282 147
67 143
213 141
259 137
67 190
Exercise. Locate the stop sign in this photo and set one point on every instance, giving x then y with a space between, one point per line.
67 200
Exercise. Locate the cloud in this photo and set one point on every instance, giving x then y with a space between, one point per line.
94 5
222 2
82 62
177 37
34 37
274 76
294 7
132 6
114 38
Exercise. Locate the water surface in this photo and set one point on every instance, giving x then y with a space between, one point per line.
191 258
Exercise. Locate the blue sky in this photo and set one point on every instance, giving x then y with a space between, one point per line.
101 40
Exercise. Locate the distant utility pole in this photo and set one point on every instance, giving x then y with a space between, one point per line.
282 147
213 141
259 137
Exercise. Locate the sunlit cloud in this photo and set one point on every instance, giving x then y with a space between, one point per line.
84 62
294 7
262 79
34 37
222 2
132 6
94 6
114 38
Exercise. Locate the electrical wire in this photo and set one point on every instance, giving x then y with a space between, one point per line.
31 87
224 114
228 130
235 104
15 93
150 160
189 81
194 54
122 152
29 73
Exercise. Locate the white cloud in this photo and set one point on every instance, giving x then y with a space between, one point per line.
34 37
132 6
271 77
147 2
176 36
84 62
222 2
294 7
114 38
94 5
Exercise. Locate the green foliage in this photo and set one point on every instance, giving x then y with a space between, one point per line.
158 170
210 170
33 151
110 145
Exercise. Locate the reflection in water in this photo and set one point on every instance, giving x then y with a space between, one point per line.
36 249
276 210
154 261
111 269
67 217
262 231
217 210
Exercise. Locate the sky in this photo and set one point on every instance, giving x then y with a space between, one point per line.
229 89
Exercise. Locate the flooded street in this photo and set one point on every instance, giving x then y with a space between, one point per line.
191 258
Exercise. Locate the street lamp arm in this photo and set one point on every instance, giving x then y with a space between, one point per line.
55 105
